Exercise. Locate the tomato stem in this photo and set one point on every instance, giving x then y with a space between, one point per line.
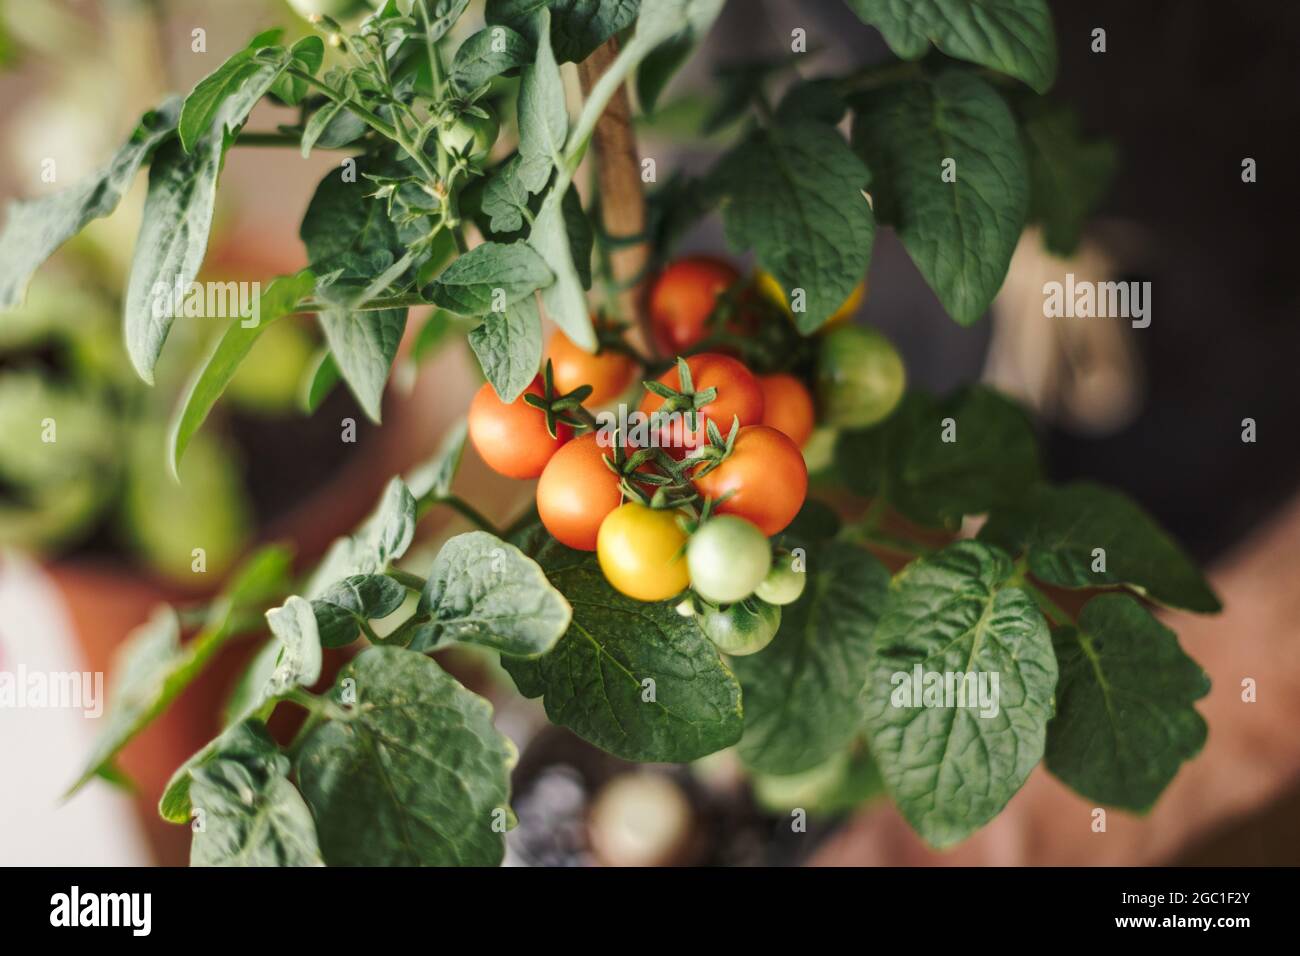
468 511
405 578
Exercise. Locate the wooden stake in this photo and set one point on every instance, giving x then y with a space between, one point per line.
622 199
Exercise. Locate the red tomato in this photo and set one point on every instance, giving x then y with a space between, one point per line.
683 297
512 437
739 396
608 373
767 474
787 406
577 491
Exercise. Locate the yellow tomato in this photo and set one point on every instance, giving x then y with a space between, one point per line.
641 552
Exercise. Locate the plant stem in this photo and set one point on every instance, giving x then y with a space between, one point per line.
468 511
267 139
406 579
431 50
405 301
372 120
877 75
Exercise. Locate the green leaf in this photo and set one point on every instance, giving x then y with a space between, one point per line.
637 680
443 14
1124 717
816 522
1068 175
490 277
543 116
1060 530
278 299
961 233
351 604
248 693
905 459
802 693
661 20
564 299
299 663
952 768
659 67
582 239
250 814
141 669
577 27
836 786
151 668
505 197
348 233
318 124
487 54
291 660
414 775
230 91
172 243
322 375
364 345
433 479
794 195
509 347
484 591
36 228
307 54
381 539
1010 36
812 99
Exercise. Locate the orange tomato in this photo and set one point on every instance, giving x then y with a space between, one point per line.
787 406
608 373
683 297
767 477
739 396
511 436
577 490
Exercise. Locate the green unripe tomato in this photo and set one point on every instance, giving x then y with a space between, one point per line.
740 629
338 9
473 133
860 377
783 584
727 558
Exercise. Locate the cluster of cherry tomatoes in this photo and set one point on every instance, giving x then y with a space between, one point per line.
686 505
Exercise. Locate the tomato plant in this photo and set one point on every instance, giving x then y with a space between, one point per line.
418 214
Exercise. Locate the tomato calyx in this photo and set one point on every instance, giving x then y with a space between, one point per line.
566 409
650 476
683 399
713 454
